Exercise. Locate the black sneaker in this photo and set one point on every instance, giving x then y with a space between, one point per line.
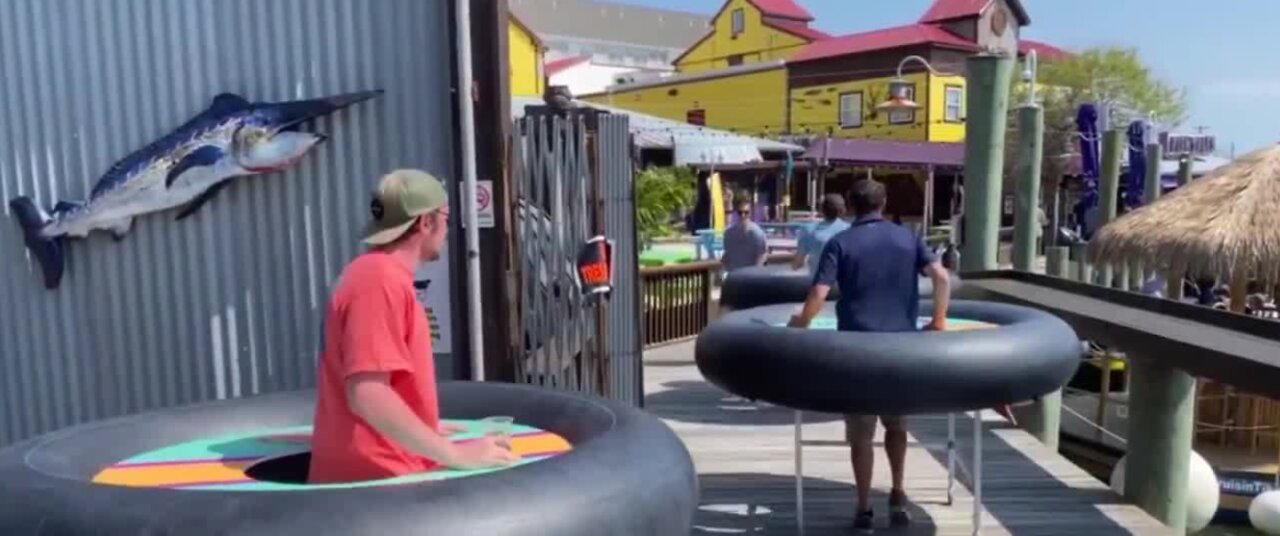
898 516
865 522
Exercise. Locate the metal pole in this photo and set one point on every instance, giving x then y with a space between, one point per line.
1026 223
466 111
989 78
951 456
928 201
1110 186
799 475
977 471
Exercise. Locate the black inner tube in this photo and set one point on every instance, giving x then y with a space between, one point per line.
1029 354
627 474
757 286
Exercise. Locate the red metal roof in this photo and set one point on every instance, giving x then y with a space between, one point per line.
555 66
796 28
944 10
1044 51
914 34
787 9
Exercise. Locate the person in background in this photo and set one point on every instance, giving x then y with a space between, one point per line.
812 240
376 412
876 263
745 243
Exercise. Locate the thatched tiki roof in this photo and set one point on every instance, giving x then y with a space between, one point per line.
1225 224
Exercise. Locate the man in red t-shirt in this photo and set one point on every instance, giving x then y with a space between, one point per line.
376 411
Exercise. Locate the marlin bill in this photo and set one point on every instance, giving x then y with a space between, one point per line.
186 168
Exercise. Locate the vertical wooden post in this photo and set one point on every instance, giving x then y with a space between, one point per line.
1161 418
1045 418
498 287
1083 270
989 78
1026 224
1184 170
1161 410
1110 190
707 281
1056 264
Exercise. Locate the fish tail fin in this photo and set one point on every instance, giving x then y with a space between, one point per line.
48 251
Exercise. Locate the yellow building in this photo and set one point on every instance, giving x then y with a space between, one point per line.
762 70
525 59
750 31
745 99
836 84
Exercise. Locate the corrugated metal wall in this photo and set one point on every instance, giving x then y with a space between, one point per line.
622 323
229 301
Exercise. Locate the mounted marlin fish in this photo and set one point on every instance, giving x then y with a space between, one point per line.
231 138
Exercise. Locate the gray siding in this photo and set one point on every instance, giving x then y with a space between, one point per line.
623 313
228 302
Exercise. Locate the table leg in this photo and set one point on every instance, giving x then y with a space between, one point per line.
977 471
799 476
951 456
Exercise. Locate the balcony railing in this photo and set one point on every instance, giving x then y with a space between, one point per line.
680 299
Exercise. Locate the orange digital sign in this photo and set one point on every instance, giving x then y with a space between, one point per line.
596 273
595 270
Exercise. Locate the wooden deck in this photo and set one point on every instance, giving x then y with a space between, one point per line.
744 453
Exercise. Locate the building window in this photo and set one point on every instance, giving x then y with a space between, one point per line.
735 59
739 22
851 109
907 117
954 102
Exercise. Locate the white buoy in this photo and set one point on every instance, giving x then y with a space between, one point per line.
1264 512
1202 491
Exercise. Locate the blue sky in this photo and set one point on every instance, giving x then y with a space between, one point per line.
1223 52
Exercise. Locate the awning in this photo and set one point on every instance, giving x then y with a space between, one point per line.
709 149
652 132
886 152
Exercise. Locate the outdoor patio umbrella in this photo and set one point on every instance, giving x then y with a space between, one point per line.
1090 149
1225 224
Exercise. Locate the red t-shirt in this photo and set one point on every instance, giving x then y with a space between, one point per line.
374 322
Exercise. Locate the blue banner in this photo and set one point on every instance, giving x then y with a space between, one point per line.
1090 145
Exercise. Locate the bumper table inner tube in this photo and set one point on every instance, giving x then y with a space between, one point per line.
991 353
589 466
756 286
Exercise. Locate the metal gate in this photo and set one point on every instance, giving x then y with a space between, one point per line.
572 180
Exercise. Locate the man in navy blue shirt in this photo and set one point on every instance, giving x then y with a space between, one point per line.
876 264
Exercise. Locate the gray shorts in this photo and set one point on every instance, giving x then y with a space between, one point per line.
862 428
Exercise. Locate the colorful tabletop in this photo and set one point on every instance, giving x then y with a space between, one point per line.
221 463
828 322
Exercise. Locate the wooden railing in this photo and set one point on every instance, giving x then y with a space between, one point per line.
677 300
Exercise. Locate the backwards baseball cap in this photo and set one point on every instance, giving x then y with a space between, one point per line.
402 196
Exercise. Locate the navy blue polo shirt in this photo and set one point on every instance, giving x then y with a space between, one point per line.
876 265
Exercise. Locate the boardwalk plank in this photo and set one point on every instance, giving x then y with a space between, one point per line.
744 453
